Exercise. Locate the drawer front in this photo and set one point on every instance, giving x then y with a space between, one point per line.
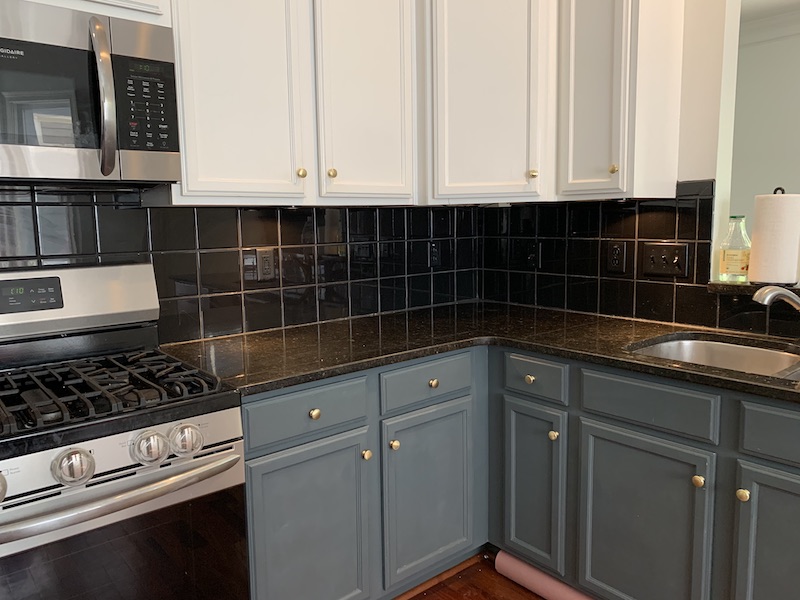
535 376
771 433
289 415
685 412
417 383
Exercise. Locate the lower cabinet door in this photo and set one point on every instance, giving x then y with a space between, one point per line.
535 481
768 534
645 516
427 487
308 521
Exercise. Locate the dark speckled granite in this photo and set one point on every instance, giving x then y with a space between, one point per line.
259 362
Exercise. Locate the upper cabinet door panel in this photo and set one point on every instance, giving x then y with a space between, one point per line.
239 97
594 95
146 11
488 66
366 94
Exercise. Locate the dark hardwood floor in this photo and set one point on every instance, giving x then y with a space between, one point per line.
477 580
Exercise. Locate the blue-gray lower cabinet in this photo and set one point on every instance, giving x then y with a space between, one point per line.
427 487
535 481
308 521
768 532
645 515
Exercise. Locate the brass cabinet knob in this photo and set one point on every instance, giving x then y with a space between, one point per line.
529 379
366 454
743 495
315 414
434 383
332 173
394 444
302 173
613 169
533 174
553 435
698 481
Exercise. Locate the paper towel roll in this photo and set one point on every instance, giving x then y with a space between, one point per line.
535 580
776 239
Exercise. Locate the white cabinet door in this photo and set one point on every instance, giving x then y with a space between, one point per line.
147 11
492 114
241 80
366 96
594 95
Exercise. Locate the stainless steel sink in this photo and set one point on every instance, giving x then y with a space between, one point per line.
732 355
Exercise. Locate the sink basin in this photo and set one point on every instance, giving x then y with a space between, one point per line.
733 355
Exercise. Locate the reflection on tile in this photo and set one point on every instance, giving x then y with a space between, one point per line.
393 294
523 220
332 263
419 291
130 198
63 261
363 261
495 286
442 258
16 193
122 229
694 305
176 274
553 256
259 226
392 258
583 257
250 272
18 264
362 224
219 272
705 218
66 230
222 315
418 257
742 313
419 223
584 219
217 228
495 253
657 219
550 290
63 196
616 297
297 226
466 222
442 219
16 225
444 288
331 225
364 297
582 294
687 219
551 220
783 321
654 301
618 219
495 221
172 228
179 320
467 285
300 305
522 288
392 223
124 258
467 253
703 266
297 265
334 302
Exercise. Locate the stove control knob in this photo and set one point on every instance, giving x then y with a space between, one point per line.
3 487
186 440
73 467
150 448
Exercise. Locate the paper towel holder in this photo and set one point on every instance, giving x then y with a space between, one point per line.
779 190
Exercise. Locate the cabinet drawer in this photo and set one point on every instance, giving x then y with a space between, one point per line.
538 377
682 411
413 384
771 432
286 416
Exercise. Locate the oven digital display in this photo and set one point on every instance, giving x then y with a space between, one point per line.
26 295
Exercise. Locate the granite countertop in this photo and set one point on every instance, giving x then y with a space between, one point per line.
259 362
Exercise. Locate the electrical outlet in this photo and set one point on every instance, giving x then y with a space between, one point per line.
436 259
265 264
666 259
616 258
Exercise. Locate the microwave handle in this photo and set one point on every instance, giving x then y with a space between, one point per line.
101 45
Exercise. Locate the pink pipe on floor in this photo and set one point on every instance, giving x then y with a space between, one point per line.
535 580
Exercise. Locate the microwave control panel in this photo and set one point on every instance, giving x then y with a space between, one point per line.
147 107
26 295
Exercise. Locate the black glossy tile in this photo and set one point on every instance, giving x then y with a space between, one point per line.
618 219
334 301
362 224
16 193
657 219
523 220
742 313
442 255
783 321
584 219
467 285
300 305
222 315
703 263
583 257
616 297
418 256
393 294
363 261
626 252
332 263
172 228
551 290
495 253
392 223
705 218
391 259
250 279
654 301
495 286
262 310
551 220
29 263
419 223
259 226
364 297
419 291
444 288
130 198
217 228
552 256
331 225
66 230
582 294
176 274
443 222
219 272
466 221
695 305
19 238
522 288
687 218
65 261
124 258
179 320
522 254
63 196
297 266
296 226
467 256
495 221
122 229
700 187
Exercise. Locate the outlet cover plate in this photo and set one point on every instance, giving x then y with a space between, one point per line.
665 259
617 258
265 264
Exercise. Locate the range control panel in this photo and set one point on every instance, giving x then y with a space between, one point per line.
147 109
26 295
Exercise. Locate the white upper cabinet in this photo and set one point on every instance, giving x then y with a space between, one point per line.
366 98
619 102
146 11
493 108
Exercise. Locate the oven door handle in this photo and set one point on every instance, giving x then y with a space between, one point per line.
101 45
77 511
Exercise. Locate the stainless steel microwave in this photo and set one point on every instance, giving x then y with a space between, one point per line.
85 97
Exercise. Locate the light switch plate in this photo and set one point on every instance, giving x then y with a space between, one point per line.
665 259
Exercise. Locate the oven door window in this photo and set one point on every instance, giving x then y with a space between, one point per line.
48 96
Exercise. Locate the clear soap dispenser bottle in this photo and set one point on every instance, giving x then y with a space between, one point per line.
734 255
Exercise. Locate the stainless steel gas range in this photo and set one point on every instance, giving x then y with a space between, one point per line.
114 457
